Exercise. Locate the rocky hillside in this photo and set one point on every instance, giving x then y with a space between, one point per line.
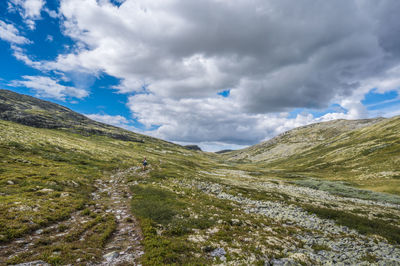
31 111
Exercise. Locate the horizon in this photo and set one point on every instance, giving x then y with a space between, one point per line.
220 76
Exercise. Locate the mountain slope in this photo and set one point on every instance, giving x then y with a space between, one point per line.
369 156
31 111
365 153
298 140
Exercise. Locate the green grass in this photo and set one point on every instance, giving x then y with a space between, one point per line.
158 205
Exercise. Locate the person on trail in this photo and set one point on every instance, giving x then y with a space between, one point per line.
144 163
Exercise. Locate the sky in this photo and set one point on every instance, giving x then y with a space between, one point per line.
221 74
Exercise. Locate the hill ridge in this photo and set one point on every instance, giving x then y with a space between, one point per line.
30 111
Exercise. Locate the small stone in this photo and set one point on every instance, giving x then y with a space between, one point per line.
46 190
218 252
235 222
111 256
10 182
34 263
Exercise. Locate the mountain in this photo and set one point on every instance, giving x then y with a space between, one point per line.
31 111
73 192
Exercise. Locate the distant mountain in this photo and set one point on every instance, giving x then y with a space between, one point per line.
223 151
192 147
38 113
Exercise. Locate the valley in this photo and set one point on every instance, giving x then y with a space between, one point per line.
76 194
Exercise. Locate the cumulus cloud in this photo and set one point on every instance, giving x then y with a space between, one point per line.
259 49
219 120
28 9
11 34
273 56
49 88
115 120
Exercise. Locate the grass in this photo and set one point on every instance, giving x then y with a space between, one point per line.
158 205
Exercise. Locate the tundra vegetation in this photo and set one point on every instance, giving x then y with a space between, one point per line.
330 197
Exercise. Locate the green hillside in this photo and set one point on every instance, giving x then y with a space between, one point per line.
48 175
365 153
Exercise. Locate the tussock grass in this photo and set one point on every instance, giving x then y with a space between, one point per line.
155 204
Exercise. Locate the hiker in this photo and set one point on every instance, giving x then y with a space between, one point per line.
144 163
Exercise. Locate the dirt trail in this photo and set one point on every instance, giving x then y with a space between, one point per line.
124 247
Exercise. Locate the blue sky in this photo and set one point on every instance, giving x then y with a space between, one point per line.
178 71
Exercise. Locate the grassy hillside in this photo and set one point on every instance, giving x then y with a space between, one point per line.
34 112
48 175
297 140
367 156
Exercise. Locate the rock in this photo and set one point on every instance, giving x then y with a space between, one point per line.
235 222
193 147
111 256
10 182
34 263
283 262
46 190
218 252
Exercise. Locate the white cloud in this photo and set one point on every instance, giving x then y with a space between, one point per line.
28 9
215 120
11 34
213 146
49 88
115 120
